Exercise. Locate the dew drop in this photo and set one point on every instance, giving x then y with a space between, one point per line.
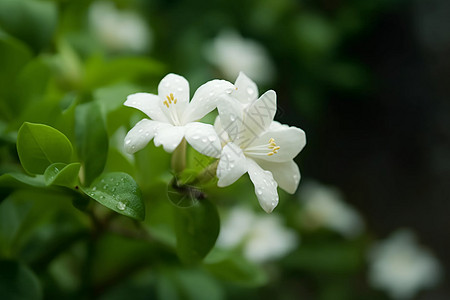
121 205
140 130
94 188
147 133
195 137
259 191
228 91
117 184
211 94
250 91
92 194
127 142
133 147
180 89
134 103
103 180
102 197
105 187
204 140
232 118
113 189
231 165
211 138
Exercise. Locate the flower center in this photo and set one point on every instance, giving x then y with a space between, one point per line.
273 146
268 149
170 105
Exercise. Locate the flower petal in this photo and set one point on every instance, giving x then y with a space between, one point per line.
148 104
231 117
232 165
265 186
290 141
246 90
203 138
223 135
174 90
169 137
139 136
205 99
286 174
259 115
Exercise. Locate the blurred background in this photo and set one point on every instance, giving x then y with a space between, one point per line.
367 80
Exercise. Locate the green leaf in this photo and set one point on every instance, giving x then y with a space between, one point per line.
13 57
40 145
92 139
62 174
119 192
234 268
196 229
18 282
41 19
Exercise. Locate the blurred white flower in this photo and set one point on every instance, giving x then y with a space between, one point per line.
263 237
257 145
402 267
231 54
323 207
173 116
119 30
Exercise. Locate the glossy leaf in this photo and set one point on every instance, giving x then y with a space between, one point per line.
18 282
119 192
91 139
196 229
62 174
40 145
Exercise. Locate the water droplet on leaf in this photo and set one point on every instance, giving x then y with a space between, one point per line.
121 205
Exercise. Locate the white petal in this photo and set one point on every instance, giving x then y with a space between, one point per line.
178 86
265 186
205 99
259 115
232 165
246 90
291 141
139 136
286 174
203 138
231 116
223 135
169 137
148 104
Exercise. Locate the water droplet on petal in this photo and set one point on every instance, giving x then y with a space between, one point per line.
140 130
195 137
231 165
121 205
133 147
259 191
180 89
232 118
211 94
211 138
204 140
127 142
250 91
147 133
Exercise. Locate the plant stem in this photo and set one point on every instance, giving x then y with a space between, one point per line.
179 157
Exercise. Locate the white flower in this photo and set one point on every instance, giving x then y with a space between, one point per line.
118 30
401 267
323 207
263 237
231 54
255 144
172 115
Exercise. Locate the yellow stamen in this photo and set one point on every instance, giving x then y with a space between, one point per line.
170 99
273 146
